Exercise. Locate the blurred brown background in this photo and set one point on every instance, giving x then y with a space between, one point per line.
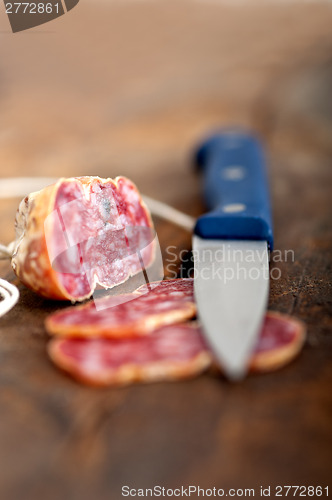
128 88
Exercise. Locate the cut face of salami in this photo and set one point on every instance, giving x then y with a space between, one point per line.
128 315
170 353
80 233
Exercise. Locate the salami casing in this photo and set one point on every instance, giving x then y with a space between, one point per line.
127 315
80 233
170 353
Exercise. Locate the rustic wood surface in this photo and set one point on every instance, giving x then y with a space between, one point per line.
128 88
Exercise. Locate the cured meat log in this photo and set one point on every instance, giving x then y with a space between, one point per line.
170 353
79 233
128 315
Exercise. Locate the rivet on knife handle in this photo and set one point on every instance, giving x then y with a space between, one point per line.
235 189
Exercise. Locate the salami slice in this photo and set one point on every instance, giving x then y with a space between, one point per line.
170 353
281 339
79 233
127 315
183 288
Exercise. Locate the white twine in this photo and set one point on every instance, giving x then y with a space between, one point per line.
13 187
10 296
6 252
170 214
8 291
19 186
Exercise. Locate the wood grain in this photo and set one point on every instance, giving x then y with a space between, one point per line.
128 89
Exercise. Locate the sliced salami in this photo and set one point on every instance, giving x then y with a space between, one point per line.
281 339
79 233
170 353
127 315
180 287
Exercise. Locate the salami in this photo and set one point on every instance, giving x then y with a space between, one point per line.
80 233
127 315
281 339
181 288
165 303
170 353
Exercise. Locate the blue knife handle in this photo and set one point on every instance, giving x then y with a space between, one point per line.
235 189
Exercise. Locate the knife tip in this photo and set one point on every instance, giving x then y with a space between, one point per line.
235 372
235 375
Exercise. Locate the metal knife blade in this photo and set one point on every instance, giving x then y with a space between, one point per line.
230 247
231 289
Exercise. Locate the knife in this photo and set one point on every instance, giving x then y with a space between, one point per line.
231 245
